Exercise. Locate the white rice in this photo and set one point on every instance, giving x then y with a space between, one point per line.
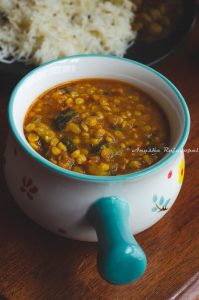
38 31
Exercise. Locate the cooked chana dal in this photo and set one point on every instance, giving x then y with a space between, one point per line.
97 127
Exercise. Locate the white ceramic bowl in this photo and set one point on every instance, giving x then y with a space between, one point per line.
59 199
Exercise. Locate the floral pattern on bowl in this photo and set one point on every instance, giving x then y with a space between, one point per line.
28 187
160 204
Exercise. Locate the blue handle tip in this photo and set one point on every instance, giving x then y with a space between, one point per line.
120 258
122 264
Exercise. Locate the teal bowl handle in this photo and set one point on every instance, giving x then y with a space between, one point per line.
120 259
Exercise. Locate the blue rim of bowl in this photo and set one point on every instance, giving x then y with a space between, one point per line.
85 177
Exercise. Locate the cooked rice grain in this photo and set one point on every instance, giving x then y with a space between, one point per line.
38 31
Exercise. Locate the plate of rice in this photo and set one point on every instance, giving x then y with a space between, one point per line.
37 31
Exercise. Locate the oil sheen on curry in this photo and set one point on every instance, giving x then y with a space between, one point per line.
97 126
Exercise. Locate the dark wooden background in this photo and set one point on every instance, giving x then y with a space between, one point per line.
37 265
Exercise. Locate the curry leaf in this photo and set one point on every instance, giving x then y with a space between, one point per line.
69 144
44 147
115 127
67 90
63 117
96 149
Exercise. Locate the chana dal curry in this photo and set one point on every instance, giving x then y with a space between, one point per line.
97 127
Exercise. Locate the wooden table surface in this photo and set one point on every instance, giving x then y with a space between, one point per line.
37 265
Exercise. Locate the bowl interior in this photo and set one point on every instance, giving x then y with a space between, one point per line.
94 66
